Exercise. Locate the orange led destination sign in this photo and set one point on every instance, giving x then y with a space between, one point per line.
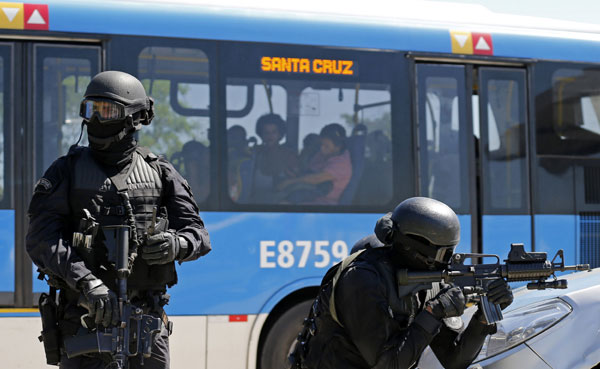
305 65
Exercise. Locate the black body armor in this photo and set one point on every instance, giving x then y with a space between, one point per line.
94 189
402 306
372 322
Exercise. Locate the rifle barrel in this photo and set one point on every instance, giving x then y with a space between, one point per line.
577 267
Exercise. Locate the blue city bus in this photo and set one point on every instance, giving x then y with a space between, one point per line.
501 123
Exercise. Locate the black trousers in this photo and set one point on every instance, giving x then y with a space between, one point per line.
158 360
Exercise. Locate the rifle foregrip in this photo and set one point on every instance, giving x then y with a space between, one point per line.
517 272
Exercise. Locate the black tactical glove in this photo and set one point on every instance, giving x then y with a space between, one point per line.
384 229
102 303
499 293
163 248
448 303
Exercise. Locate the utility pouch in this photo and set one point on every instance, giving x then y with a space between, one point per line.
50 333
84 238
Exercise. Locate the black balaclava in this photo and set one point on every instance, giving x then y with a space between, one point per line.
412 252
119 152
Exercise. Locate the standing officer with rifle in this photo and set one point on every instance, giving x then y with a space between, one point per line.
107 223
362 318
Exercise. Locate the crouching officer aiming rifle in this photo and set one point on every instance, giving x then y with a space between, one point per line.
93 232
362 317
476 280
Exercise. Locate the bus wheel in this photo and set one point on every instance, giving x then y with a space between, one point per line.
282 335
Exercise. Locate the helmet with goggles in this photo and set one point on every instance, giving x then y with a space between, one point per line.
114 96
426 229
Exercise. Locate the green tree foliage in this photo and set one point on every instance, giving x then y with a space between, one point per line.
72 91
169 131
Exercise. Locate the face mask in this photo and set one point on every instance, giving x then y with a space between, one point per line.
104 130
111 144
416 253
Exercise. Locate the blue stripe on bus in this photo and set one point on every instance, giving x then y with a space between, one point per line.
230 280
554 232
195 22
464 245
287 290
499 231
7 250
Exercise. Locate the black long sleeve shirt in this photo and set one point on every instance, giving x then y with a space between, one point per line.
374 336
48 237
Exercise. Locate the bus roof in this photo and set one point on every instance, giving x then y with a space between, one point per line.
421 28
399 12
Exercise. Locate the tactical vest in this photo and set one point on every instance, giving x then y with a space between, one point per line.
92 189
403 303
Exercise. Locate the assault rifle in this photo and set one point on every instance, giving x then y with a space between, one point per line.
475 279
134 334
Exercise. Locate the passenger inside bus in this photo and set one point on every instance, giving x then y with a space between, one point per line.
378 156
330 171
272 162
194 156
311 144
238 152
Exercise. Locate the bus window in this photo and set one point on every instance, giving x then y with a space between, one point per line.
503 140
5 123
64 79
7 251
309 142
256 147
364 113
177 79
567 111
442 134
590 107
61 76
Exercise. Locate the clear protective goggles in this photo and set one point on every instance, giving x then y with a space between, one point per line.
444 254
107 110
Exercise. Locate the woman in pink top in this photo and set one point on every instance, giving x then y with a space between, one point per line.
331 164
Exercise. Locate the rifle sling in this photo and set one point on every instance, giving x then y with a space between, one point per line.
342 267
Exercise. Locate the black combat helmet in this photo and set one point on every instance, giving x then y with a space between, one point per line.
426 231
115 104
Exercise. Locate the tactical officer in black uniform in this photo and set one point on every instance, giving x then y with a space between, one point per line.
363 319
112 182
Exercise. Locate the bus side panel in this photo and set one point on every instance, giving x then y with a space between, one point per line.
554 232
20 348
229 338
256 254
464 246
7 251
188 343
499 231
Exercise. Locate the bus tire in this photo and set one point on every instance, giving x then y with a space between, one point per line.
281 336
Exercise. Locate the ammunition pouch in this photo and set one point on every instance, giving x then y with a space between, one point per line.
83 241
50 332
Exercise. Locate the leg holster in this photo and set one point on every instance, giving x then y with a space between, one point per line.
50 333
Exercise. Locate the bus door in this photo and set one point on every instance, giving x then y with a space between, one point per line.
45 90
472 151
500 123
